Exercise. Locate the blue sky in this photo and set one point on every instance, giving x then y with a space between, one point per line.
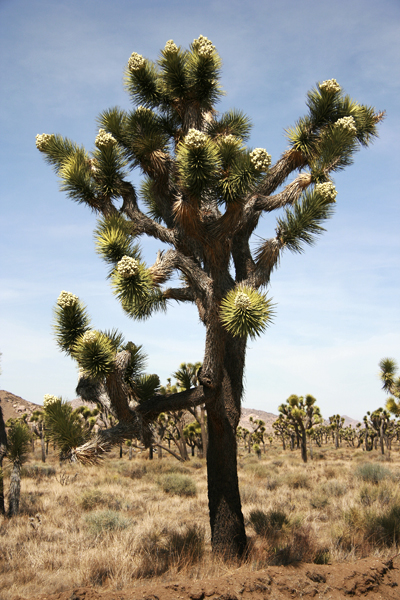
337 310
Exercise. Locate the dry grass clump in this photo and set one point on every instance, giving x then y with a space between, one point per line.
180 485
160 549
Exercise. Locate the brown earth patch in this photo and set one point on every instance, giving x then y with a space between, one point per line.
367 578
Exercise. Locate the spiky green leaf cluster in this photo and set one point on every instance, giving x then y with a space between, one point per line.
198 167
137 362
143 306
70 323
146 386
302 222
134 288
18 440
178 76
328 147
95 353
113 239
64 426
245 312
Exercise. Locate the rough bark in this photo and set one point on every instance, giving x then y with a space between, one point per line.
228 534
15 489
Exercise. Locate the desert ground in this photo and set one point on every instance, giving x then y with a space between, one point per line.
138 529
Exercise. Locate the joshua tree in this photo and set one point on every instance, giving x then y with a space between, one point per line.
19 440
303 414
203 195
37 420
336 423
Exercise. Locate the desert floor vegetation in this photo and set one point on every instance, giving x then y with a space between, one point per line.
111 524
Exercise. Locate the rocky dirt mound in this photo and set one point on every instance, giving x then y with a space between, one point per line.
368 578
13 406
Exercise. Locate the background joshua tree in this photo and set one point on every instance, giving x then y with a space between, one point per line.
336 424
18 447
303 414
202 195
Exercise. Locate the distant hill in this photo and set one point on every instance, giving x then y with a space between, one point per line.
13 406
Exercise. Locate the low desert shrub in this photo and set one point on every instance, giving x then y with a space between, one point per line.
91 499
370 493
296 480
372 473
258 470
161 549
268 523
37 471
334 488
319 501
180 485
385 527
103 521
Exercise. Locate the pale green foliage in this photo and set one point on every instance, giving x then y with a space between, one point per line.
18 441
245 312
64 427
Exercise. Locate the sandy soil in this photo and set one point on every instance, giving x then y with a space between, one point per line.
367 578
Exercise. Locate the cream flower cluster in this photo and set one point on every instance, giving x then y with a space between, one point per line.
90 336
42 139
242 301
327 191
49 399
330 85
67 299
104 139
229 139
171 47
347 123
260 159
136 62
128 266
203 46
143 109
195 138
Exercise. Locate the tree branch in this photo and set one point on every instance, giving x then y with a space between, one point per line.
143 223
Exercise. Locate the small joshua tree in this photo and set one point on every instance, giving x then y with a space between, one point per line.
303 414
18 447
203 194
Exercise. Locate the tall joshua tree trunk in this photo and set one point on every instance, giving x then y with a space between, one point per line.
226 518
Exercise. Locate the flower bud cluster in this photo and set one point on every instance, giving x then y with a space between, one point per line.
230 139
67 299
347 123
327 190
143 110
195 138
260 159
171 47
242 301
49 399
204 46
90 336
104 139
136 62
42 139
330 85
128 266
